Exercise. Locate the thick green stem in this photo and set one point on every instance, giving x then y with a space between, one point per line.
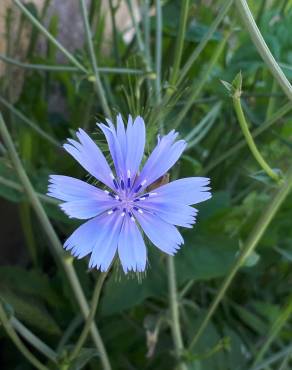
179 41
58 251
90 318
33 340
258 131
249 139
98 84
49 36
255 236
174 312
18 343
262 47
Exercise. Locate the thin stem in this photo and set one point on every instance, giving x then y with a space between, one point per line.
18 343
249 139
98 84
198 86
262 47
57 248
146 19
49 36
30 123
255 236
90 318
115 32
274 358
195 54
158 47
65 68
174 312
179 41
274 331
263 127
33 339
14 185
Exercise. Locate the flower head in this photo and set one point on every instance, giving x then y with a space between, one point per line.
117 214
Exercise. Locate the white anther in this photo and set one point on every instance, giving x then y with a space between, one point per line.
112 176
132 218
110 212
128 173
106 191
143 198
143 182
140 211
117 197
151 194
123 214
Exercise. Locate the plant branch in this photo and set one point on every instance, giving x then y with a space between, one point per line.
262 47
251 243
33 339
58 251
98 84
90 318
174 312
49 36
18 343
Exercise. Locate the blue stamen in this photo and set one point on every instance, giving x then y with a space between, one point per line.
122 185
129 182
138 188
115 183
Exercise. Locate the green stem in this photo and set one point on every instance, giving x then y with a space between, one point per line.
30 123
174 312
18 343
262 47
195 54
90 318
274 358
158 47
198 86
263 127
33 340
59 253
255 236
115 32
275 329
179 41
98 84
49 36
65 68
14 185
249 139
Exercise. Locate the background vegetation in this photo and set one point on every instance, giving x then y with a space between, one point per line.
224 302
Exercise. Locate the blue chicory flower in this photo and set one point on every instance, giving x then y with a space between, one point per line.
117 215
